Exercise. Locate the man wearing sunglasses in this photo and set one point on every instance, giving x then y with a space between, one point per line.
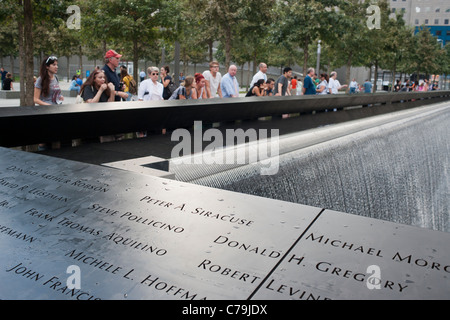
112 59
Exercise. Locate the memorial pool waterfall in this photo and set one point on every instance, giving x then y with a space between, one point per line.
392 167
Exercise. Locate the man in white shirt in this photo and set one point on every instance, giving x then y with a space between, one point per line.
334 85
261 74
213 79
151 89
353 86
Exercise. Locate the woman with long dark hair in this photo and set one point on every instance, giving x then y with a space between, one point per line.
257 89
166 79
97 89
46 88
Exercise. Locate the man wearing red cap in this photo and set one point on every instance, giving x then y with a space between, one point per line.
112 62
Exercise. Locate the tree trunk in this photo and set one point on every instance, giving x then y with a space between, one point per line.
248 75
393 77
348 71
69 77
177 63
227 47
135 58
21 59
210 45
305 57
185 63
28 50
11 62
80 55
242 74
375 77
348 76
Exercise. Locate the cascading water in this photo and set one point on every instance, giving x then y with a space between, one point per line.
397 171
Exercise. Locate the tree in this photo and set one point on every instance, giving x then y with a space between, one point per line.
399 44
9 41
426 53
102 29
250 41
361 35
444 63
129 26
223 16
299 23
24 15
254 29
193 34
29 17
66 43
196 30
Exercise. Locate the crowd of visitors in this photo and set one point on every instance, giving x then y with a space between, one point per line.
110 84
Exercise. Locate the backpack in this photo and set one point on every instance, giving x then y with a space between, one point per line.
171 88
133 86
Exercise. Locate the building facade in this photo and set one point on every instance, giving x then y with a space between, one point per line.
434 14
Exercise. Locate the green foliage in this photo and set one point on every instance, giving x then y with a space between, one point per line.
444 60
427 50
8 40
279 33
299 23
